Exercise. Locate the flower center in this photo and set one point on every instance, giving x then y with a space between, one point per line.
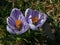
35 20
18 23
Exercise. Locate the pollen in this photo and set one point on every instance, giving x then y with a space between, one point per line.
18 23
35 20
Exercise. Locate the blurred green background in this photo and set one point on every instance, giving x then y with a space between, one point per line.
48 34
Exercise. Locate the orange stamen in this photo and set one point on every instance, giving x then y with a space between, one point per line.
34 20
18 23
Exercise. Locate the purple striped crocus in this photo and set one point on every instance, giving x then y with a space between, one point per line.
16 23
34 18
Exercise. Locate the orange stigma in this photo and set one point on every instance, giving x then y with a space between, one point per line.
18 23
34 20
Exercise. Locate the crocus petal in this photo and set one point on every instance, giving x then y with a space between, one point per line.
33 27
10 30
10 21
42 20
28 12
15 13
35 13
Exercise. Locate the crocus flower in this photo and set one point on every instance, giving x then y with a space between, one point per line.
34 18
16 23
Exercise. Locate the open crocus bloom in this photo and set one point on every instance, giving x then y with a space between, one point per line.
34 18
16 23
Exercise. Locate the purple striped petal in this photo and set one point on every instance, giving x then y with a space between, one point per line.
35 13
10 30
33 27
42 20
15 13
28 12
10 21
